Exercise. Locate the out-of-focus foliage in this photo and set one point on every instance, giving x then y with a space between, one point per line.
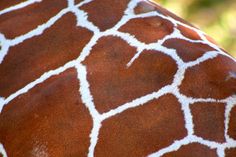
215 17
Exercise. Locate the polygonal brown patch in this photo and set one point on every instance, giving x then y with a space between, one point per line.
78 1
186 50
29 60
192 150
208 120
23 20
50 119
152 28
146 6
165 12
112 83
230 152
232 124
210 79
187 32
142 130
143 7
6 3
105 13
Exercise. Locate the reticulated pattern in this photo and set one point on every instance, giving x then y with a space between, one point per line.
121 31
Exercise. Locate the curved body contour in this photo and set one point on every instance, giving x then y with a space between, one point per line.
109 78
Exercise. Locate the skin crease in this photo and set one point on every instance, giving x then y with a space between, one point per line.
98 104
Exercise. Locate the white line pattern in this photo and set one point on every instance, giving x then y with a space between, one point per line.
2 151
84 91
19 6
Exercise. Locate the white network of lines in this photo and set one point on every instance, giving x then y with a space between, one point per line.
87 98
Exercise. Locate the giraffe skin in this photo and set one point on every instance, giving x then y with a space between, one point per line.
103 78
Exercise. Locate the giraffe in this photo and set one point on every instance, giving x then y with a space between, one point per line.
111 78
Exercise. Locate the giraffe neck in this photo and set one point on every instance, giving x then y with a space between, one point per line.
112 78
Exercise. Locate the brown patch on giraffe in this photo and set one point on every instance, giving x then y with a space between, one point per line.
210 39
59 44
232 124
188 52
142 130
78 1
211 77
23 20
194 150
230 152
152 28
187 32
167 13
105 13
49 119
143 7
8 3
208 120
112 83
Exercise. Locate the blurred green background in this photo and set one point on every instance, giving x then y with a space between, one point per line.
215 17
